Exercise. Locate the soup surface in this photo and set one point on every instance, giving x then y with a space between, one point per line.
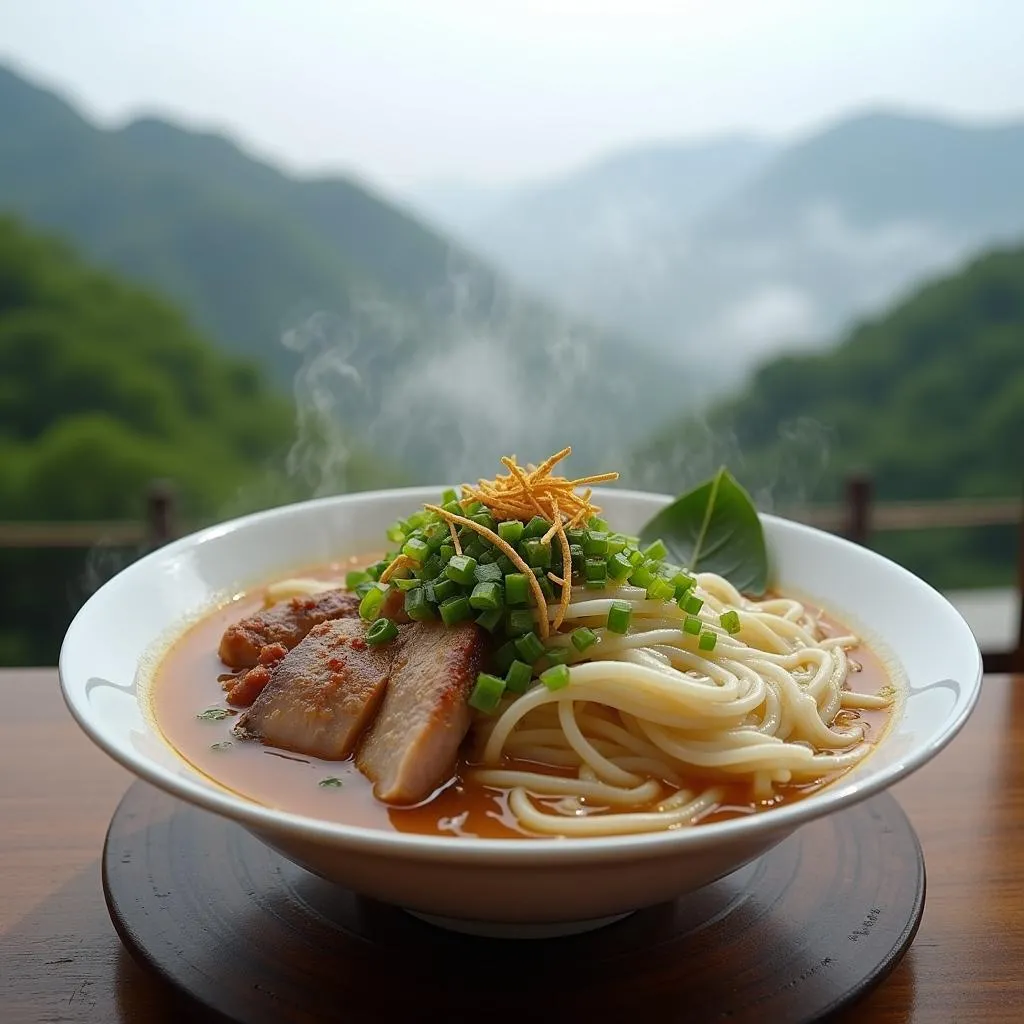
188 704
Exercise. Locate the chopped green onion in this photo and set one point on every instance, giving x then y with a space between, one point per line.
641 576
488 572
510 530
618 616
487 597
504 563
453 508
417 607
557 655
504 656
396 533
417 519
577 556
595 570
383 631
597 524
577 535
461 569
707 640
471 509
435 535
371 602
537 555
546 588
556 677
635 556
364 588
455 610
596 543
489 557
354 578
519 621
490 620
445 552
444 588
487 692
656 550
516 589
518 676
691 624
449 495
619 567
582 638
730 621
682 593
484 519
433 567
692 604
416 549
536 527
475 548
595 584
407 584
616 544
660 590
529 647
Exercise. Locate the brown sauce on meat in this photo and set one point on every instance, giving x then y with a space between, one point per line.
186 684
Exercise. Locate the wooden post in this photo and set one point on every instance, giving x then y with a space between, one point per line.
1017 656
858 508
160 513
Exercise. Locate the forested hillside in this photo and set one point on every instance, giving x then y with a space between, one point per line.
929 399
747 246
410 328
104 387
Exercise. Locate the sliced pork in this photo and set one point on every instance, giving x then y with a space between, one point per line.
285 623
322 695
243 689
410 749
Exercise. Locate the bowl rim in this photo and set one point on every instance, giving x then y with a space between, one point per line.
266 820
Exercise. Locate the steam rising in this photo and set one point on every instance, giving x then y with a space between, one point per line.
442 390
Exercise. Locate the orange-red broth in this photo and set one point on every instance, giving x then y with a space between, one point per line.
186 684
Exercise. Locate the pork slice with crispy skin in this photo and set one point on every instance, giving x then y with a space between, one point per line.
411 748
286 622
323 694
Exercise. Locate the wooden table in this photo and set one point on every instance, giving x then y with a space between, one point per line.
61 961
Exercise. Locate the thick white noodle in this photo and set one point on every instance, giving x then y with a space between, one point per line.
653 726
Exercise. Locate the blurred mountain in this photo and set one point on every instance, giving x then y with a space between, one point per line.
103 388
929 399
737 247
459 207
374 319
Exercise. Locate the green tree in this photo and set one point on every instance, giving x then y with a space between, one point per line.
929 399
104 387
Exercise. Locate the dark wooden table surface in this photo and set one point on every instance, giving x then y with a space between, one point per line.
61 961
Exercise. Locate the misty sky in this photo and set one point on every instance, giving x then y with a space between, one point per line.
494 91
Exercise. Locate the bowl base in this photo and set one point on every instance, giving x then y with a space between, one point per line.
512 930
806 929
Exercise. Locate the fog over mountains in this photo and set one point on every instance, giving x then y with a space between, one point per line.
740 245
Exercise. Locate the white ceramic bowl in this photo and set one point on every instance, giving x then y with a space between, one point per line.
479 884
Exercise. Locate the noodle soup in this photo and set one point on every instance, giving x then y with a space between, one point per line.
185 688
514 666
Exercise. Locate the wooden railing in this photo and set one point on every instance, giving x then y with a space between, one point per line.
858 517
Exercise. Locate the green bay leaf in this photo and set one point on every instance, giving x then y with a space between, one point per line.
715 528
